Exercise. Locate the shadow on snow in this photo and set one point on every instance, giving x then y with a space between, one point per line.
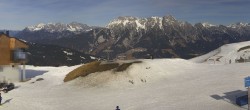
230 97
33 73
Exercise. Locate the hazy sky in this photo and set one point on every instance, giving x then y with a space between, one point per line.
17 14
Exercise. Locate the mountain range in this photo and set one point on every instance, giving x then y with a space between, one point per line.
133 37
59 27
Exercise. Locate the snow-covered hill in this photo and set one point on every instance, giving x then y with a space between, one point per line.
226 54
158 84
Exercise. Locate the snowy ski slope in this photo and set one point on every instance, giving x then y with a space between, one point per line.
158 84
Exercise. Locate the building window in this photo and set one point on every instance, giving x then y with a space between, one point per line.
19 55
1 69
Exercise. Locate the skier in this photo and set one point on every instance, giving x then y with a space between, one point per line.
0 99
117 108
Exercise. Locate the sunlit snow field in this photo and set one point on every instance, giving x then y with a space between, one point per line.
158 84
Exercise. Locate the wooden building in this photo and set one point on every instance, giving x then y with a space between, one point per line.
12 55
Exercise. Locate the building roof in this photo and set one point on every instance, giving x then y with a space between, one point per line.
18 40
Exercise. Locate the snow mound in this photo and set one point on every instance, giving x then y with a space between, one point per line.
137 74
226 54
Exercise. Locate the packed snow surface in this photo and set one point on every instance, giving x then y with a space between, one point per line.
158 84
226 54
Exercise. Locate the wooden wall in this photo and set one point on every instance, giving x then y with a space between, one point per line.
7 45
4 50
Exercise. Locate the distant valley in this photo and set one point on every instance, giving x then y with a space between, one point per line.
51 55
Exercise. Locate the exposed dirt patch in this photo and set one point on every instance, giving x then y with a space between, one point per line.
97 66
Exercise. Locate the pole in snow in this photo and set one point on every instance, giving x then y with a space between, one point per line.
24 72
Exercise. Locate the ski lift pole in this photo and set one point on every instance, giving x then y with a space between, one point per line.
24 74
108 51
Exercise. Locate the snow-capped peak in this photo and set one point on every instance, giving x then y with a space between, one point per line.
138 23
170 18
59 27
124 21
37 27
127 18
239 24
206 24
144 23
41 25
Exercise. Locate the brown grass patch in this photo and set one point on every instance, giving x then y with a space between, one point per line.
88 68
124 66
243 48
96 66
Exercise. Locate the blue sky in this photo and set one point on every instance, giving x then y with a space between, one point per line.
17 14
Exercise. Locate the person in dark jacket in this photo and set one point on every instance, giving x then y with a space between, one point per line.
0 99
117 108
